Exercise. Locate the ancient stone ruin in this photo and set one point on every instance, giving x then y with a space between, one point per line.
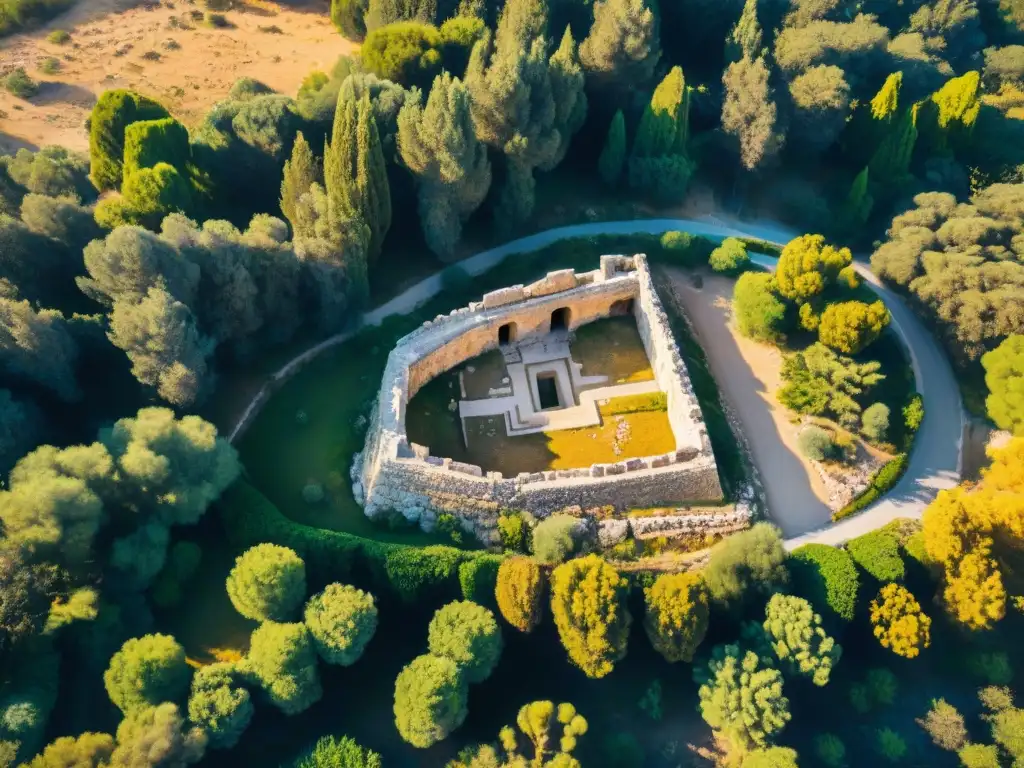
394 475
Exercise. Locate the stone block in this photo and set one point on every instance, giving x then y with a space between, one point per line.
503 296
614 469
597 470
466 469
660 461
436 461
686 453
612 532
553 282
632 465
494 475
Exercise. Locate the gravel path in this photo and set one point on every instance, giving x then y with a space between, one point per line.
934 463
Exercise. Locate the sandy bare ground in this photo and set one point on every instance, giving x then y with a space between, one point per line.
158 49
748 375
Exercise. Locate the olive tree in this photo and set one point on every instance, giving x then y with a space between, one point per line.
468 634
342 620
430 700
146 671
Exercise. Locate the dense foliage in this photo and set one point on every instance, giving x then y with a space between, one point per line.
430 700
469 635
267 583
746 562
342 620
520 592
677 615
588 601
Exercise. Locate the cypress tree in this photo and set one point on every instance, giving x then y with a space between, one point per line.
622 48
664 127
614 153
372 179
858 203
745 38
355 178
887 100
567 91
438 144
340 164
299 174
891 162
950 114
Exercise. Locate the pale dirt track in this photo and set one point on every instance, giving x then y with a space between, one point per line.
157 49
747 374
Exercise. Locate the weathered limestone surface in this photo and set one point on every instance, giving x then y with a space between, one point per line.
392 475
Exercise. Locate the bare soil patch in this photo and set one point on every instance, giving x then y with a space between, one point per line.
159 50
749 374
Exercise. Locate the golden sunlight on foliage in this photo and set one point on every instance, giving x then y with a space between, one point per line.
900 624
518 592
969 531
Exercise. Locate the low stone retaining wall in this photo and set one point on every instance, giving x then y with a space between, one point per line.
393 475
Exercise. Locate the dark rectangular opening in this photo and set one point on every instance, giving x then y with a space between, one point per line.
547 392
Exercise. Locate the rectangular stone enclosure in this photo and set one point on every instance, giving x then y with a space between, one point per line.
393 474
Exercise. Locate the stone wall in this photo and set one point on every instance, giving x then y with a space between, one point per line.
392 474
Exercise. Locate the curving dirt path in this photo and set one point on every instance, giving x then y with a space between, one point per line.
747 374
934 462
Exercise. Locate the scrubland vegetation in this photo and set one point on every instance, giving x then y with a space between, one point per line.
139 282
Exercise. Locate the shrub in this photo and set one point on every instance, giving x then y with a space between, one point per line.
890 745
59 37
469 635
19 84
331 752
342 621
448 526
588 601
830 750
874 422
883 481
313 493
878 553
553 538
899 623
990 667
150 142
622 750
760 314
685 250
147 671
115 111
515 532
348 18
216 21
796 636
945 725
53 171
283 661
246 88
677 615
267 583
1004 377
519 591
882 686
408 53
995 698
815 443
219 704
478 578
747 562
913 413
741 697
850 326
730 257
49 66
979 756
430 700
827 577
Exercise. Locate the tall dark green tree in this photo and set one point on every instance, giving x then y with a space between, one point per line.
355 179
438 144
613 155
891 162
512 82
299 174
749 112
567 91
622 49
659 162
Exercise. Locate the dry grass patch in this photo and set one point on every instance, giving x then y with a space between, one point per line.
612 348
